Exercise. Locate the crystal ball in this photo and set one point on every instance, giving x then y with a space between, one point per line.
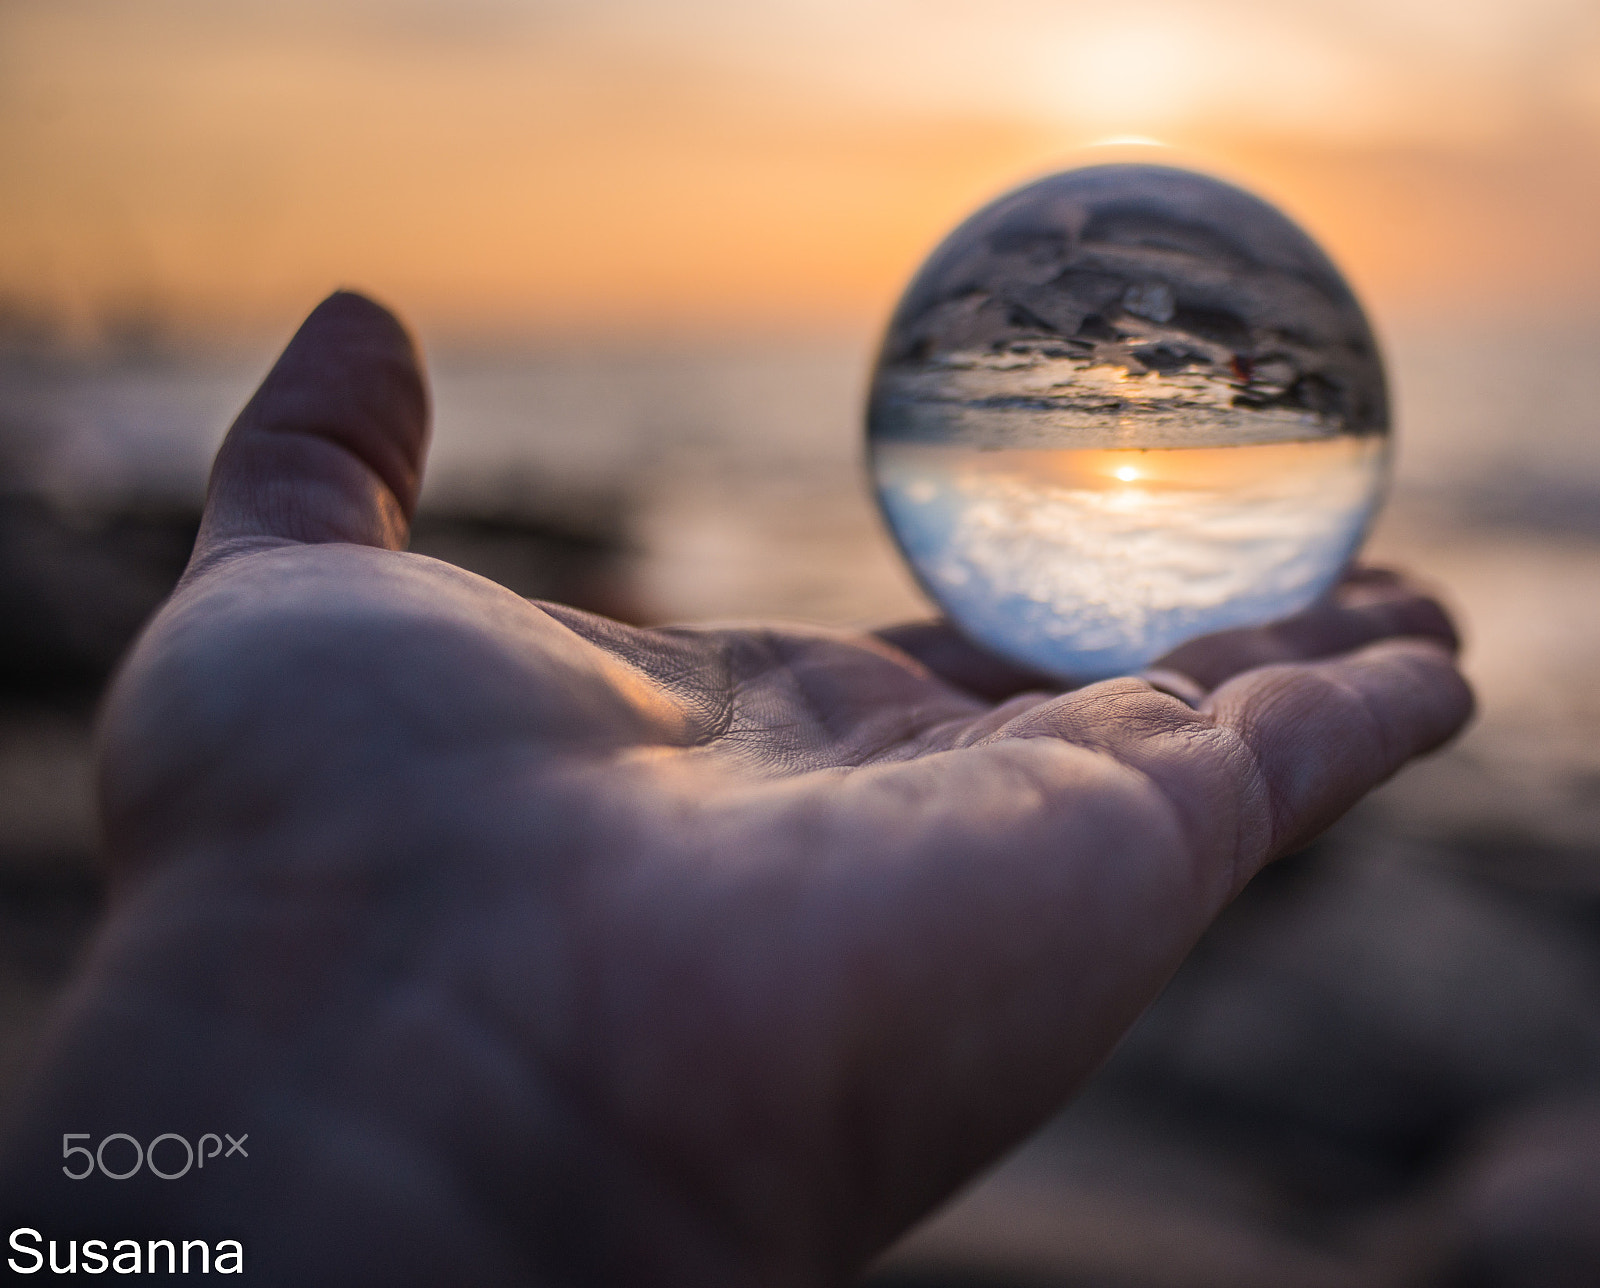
1121 407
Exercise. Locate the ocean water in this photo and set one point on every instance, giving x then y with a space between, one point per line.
741 468
1496 423
1091 563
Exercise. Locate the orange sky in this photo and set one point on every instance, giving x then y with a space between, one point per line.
612 165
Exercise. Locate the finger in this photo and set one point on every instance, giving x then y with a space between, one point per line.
956 660
1058 874
1323 734
1369 605
1022 901
330 447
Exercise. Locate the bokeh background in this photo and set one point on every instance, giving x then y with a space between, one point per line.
647 245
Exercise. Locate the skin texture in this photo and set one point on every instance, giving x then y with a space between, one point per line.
533 948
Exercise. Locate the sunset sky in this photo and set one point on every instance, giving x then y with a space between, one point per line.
574 167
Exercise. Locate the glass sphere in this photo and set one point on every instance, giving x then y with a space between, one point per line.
1122 407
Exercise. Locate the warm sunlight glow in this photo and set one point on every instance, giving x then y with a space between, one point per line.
612 166
1126 473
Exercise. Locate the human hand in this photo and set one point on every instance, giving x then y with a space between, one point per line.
533 947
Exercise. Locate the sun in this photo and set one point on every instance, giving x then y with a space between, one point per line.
1126 473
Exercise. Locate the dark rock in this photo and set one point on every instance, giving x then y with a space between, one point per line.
1524 1209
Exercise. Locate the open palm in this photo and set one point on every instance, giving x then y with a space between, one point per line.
531 947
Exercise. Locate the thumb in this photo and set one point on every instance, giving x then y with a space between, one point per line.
330 447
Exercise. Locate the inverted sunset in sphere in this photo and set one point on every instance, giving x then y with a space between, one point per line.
1122 407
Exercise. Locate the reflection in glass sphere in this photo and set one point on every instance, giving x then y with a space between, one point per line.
1122 407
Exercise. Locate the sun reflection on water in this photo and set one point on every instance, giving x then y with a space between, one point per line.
1088 563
